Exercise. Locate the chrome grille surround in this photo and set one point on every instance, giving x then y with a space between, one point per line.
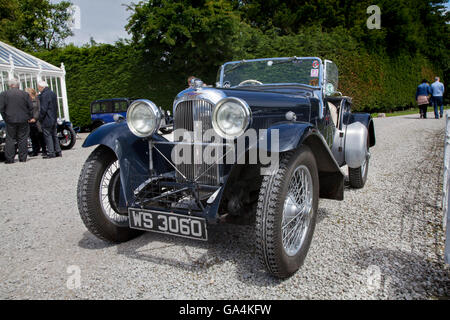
189 107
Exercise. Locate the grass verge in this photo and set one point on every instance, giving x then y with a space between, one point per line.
406 112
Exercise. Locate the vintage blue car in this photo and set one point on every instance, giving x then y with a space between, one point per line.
103 111
261 147
107 110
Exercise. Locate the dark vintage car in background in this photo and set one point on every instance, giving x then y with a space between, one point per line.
108 110
103 110
133 181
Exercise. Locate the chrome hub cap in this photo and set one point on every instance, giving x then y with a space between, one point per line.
105 195
297 210
64 137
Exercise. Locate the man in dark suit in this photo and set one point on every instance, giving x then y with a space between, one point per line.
48 117
16 109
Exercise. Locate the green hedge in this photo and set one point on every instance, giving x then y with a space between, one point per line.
376 81
107 71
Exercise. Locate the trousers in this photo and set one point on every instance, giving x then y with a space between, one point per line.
16 133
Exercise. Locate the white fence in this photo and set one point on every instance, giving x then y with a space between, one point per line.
446 188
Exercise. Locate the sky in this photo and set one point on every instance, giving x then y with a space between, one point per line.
104 20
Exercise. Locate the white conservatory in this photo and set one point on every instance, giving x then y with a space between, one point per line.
29 70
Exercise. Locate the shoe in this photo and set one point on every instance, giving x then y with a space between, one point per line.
58 154
33 154
48 157
9 162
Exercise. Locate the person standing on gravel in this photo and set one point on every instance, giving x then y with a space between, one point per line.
437 96
48 117
16 109
422 97
37 139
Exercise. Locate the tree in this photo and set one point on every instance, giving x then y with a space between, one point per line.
35 24
184 35
407 25
9 14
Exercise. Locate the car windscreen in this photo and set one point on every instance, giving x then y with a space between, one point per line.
272 71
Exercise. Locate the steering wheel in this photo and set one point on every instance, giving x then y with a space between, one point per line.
249 81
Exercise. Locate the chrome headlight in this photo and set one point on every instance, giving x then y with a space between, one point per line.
143 118
231 117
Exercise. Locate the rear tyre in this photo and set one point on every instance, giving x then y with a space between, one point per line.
98 197
358 176
286 212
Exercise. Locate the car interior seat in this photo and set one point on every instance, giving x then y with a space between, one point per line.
333 113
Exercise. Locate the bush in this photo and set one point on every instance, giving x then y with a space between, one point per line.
375 81
107 71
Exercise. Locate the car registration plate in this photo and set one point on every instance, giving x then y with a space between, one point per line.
170 223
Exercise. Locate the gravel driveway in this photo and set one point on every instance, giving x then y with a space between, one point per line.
382 242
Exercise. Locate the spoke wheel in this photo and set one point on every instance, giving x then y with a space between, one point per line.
109 194
297 210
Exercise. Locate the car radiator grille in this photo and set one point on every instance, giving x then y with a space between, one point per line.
186 114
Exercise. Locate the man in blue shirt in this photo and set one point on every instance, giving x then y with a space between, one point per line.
437 92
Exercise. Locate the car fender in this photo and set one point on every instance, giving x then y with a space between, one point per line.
356 144
294 134
366 120
132 153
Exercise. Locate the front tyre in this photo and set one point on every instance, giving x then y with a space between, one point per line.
98 197
286 212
